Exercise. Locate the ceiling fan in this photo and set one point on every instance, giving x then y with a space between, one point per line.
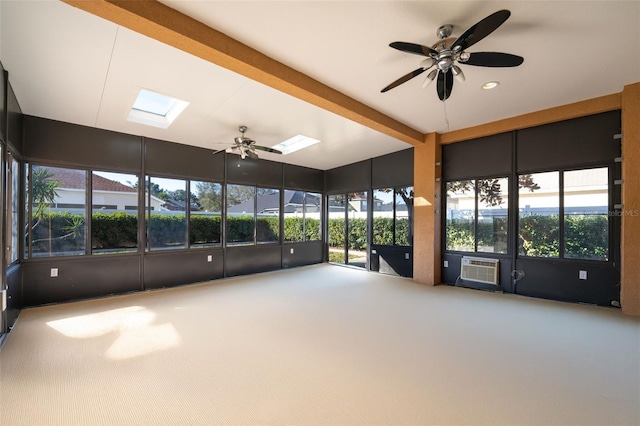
247 147
446 54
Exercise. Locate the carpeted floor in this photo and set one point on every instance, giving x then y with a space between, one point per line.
321 345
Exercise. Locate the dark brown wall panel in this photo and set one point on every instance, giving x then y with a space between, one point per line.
253 172
181 267
3 106
352 177
79 278
299 254
303 178
392 170
14 120
14 294
482 157
168 158
253 259
580 141
56 141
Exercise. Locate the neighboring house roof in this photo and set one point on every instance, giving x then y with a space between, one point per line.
271 202
76 179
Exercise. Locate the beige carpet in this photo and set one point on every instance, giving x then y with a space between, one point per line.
321 345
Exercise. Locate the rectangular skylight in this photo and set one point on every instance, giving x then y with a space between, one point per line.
155 109
295 143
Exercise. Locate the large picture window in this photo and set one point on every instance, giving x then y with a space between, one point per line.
13 186
114 216
477 218
577 227
58 217
267 215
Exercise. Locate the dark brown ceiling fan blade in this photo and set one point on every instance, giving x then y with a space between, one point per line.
267 149
445 85
404 79
494 59
480 30
416 49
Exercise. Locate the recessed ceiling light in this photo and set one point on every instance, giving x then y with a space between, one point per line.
155 109
490 85
295 143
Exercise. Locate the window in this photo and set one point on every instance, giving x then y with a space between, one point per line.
393 216
302 213
13 185
539 215
477 218
205 218
461 215
586 219
114 213
240 214
57 225
267 215
166 213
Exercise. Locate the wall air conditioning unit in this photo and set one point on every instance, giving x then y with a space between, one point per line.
480 270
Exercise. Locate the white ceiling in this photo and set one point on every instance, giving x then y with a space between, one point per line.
66 64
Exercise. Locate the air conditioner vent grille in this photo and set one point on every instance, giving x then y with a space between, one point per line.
480 270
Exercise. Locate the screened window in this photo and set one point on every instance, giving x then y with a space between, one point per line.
493 217
337 206
302 214
166 213
477 218
13 185
205 218
393 216
57 223
240 214
539 214
114 216
586 219
267 215
461 215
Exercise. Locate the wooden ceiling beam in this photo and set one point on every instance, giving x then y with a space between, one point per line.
167 25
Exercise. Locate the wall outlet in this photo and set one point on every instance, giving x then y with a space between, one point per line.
582 275
406 256
54 272
291 250
446 263
209 258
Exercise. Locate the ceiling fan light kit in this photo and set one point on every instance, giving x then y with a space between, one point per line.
447 53
246 147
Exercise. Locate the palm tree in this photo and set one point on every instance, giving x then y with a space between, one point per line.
43 190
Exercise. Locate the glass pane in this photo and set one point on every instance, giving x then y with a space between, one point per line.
268 215
205 217
586 219
538 221
240 214
382 216
58 225
167 206
27 233
493 217
357 227
13 180
114 213
312 216
460 215
404 216
293 215
337 207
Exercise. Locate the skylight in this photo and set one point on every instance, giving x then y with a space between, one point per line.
155 109
295 143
